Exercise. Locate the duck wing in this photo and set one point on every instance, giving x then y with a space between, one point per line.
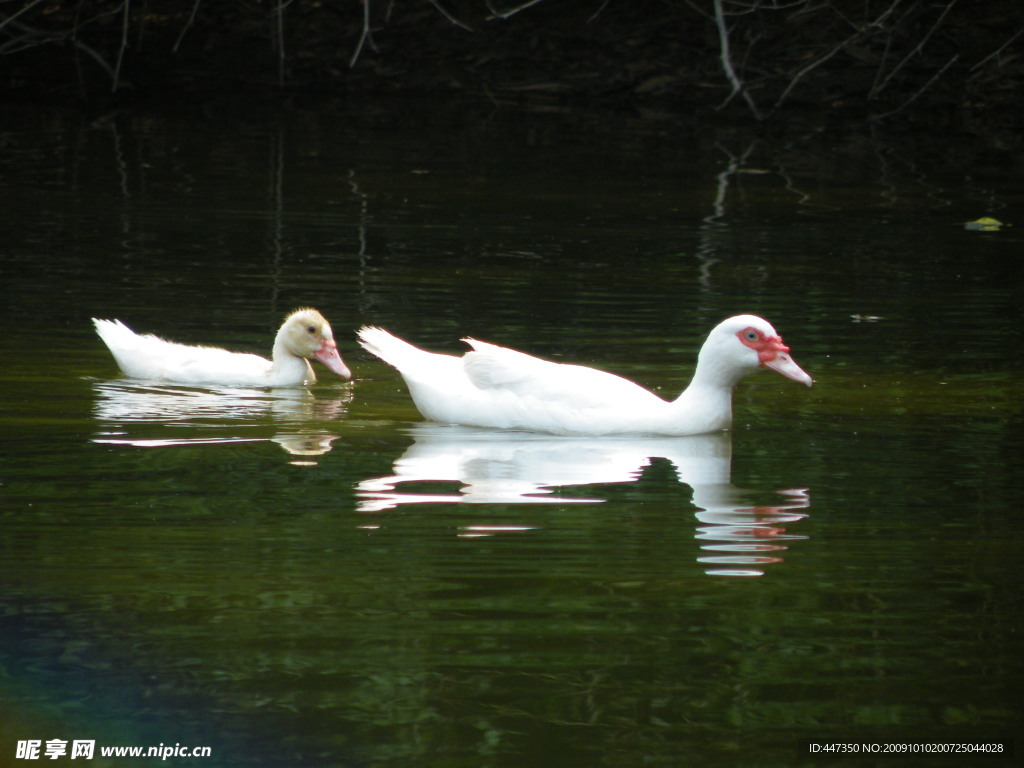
498 369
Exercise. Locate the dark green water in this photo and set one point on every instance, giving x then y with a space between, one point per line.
317 579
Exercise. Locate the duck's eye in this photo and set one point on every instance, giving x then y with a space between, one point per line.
311 329
750 334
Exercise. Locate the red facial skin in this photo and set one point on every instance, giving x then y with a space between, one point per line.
773 354
767 347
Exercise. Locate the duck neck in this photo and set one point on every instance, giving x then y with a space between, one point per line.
706 404
289 367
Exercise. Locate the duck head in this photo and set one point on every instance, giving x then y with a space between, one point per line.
745 344
307 334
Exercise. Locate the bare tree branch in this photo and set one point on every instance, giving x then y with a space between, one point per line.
364 36
191 19
812 65
597 13
998 50
916 50
495 14
125 18
25 9
918 92
762 51
859 33
725 56
279 29
448 16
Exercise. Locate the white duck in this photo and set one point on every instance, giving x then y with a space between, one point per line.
305 334
492 386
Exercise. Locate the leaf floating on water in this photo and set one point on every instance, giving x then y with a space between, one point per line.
985 224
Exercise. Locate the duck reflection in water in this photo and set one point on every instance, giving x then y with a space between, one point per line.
503 467
128 411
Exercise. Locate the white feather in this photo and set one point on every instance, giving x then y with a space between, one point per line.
492 386
304 334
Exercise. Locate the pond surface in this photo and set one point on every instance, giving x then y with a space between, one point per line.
319 578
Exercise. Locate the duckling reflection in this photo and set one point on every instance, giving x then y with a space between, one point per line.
128 410
502 467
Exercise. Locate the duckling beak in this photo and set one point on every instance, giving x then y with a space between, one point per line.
328 355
